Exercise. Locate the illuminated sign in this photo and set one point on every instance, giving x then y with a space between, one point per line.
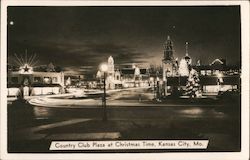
26 69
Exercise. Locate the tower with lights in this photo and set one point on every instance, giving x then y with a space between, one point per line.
187 57
110 74
169 64
111 66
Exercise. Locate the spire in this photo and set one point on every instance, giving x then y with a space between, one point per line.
186 48
110 60
111 66
187 58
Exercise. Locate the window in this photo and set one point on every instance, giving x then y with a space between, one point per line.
216 72
209 72
37 79
203 72
47 80
54 79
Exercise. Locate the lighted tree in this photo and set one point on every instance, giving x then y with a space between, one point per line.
183 68
193 86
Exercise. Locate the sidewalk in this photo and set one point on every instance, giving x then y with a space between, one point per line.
96 129
121 129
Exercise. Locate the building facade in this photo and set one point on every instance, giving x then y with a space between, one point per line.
36 82
123 78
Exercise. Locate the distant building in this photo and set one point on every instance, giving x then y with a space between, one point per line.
218 76
123 78
216 67
134 77
215 77
71 79
38 82
113 79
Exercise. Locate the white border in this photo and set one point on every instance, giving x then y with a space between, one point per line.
243 155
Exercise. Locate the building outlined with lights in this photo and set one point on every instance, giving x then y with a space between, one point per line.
37 82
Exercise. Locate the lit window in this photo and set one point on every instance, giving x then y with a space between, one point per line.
47 80
54 79
203 72
37 79
209 72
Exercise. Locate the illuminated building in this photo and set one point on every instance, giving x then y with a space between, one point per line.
125 77
134 77
113 78
38 82
215 77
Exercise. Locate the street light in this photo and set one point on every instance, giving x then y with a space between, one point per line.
157 85
219 80
104 69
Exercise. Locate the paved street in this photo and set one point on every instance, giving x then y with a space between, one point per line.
128 118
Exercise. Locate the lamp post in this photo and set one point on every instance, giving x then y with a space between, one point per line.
157 85
152 80
157 88
219 80
154 90
104 69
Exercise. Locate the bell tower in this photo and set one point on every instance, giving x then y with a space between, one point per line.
187 57
168 49
169 64
110 73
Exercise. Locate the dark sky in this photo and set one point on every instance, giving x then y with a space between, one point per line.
80 38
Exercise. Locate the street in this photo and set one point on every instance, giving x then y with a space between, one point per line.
128 119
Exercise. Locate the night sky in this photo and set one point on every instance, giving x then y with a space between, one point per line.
80 38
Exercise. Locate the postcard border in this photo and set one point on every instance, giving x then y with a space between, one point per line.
244 154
